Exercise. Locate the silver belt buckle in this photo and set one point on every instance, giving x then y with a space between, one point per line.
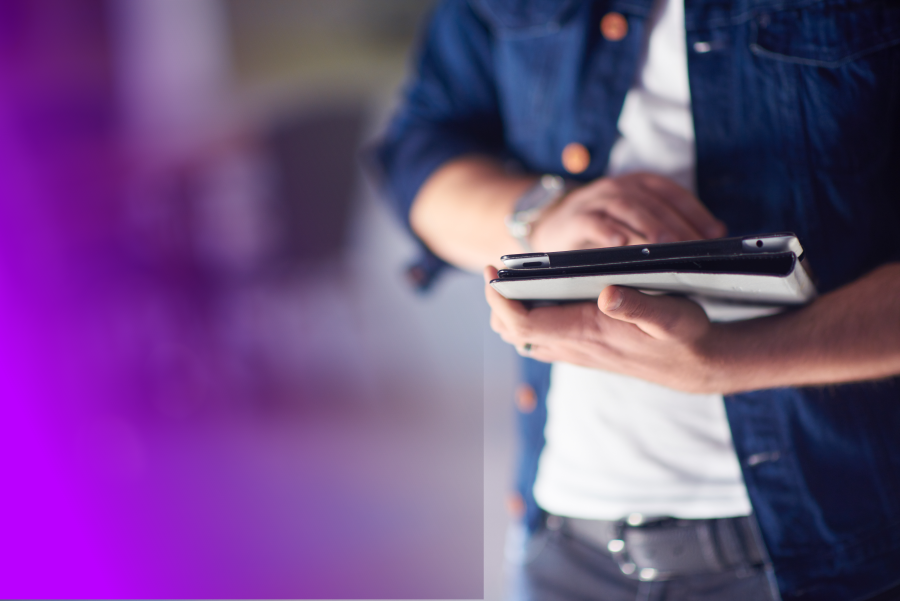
618 550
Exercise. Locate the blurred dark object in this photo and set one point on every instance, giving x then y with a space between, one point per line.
314 180
292 36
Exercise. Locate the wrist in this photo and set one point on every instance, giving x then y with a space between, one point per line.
724 370
531 206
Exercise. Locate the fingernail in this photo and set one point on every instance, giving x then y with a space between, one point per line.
614 301
616 240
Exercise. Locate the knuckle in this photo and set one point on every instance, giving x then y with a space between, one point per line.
668 324
657 181
588 314
641 310
664 321
523 329
596 227
506 335
635 311
610 185
617 204
576 195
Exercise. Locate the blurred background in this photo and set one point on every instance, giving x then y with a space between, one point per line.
215 379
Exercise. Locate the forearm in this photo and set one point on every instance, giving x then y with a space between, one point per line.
460 211
851 334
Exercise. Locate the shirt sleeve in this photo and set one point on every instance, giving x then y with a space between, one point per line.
449 108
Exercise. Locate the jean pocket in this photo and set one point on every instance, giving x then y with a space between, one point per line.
826 34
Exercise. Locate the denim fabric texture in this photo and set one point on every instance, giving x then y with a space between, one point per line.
796 107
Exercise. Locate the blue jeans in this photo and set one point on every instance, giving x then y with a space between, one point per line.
556 566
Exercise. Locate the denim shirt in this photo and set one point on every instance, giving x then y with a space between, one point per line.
796 108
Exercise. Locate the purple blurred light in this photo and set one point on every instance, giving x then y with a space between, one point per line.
140 454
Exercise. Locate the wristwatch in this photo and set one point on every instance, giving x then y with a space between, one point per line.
529 206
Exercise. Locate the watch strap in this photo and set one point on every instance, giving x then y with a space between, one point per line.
531 204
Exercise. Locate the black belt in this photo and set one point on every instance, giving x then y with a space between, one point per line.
662 548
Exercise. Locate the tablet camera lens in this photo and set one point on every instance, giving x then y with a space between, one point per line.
759 244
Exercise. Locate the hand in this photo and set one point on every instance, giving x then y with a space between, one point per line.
637 208
662 339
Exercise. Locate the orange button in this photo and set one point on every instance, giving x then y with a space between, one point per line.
526 399
515 505
575 157
613 26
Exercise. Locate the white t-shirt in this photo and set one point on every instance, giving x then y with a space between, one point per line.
618 445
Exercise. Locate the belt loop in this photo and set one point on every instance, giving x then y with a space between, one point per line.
729 543
753 543
708 545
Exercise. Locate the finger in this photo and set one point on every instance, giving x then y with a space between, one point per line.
569 321
543 353
497 323
503 306
686 204
602 231
543 325
662 317
675 225
505 332
651 217
525 349
507 316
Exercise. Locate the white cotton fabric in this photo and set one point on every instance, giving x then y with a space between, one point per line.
656 124
618 445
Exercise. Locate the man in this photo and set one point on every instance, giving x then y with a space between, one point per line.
780 117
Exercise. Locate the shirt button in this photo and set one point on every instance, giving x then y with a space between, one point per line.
613 26
515 506
526 398
575 157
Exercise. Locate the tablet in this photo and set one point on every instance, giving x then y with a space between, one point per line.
765 271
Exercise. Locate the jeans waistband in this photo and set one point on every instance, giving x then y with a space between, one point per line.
662 548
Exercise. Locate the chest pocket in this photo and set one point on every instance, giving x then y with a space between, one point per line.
826 34
535 47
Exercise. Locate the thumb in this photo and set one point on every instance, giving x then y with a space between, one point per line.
662 317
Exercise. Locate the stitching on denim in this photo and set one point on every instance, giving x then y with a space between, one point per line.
749 14
760 51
